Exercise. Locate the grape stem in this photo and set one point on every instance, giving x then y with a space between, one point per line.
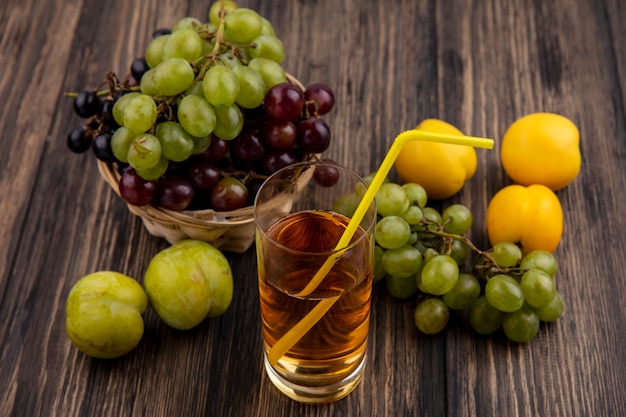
219 33
489 268
221 46
113 84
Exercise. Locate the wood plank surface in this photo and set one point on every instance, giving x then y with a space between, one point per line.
479 65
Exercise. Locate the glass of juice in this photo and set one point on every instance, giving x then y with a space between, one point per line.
314 296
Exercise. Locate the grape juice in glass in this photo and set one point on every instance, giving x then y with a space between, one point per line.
314 335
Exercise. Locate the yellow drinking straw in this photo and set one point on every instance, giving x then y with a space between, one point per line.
303 326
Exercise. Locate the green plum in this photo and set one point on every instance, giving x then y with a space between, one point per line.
103 314
188 282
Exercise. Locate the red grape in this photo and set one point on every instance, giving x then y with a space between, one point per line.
203 174
275 160
248 146
254 115
175 193
279 134
313 135
253 185
229 194
135 190
217 150
326 175
284 102
322 98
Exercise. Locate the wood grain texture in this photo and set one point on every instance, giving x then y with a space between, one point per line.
479 65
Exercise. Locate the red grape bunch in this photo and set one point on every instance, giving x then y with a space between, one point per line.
205 115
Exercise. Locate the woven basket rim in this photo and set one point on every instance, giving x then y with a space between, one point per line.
206 217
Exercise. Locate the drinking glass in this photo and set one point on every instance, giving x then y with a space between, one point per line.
315 293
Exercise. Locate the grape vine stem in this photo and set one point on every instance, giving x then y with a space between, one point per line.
491 265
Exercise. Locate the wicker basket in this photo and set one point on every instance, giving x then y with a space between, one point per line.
229 231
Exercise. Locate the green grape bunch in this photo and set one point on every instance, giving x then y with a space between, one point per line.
204 115
424 255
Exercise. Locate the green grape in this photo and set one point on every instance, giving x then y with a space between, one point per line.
242 25
173 76
195 89
416 193
413 239
187 23
440 275
413 215
120 106
506 254
120 143
391 200
552 311
271 72
504 293
207 27
521 326
140 113
153 51
457 218
155 172
147 83
429 254
176 143
267 28
401 288
459 251
433 216
196 116
346 204
200 144
269 47
485 318
220 86
392 232
379 270
229 122
540 259
183 43
418 281
246 55
420 244
251 87
214 10
538 288
144 152
431 316
230 60
402 262
360 189
370 177
464 293
208 45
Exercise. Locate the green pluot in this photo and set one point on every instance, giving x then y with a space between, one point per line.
188 282
104 314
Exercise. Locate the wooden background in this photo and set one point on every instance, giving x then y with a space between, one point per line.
477 64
